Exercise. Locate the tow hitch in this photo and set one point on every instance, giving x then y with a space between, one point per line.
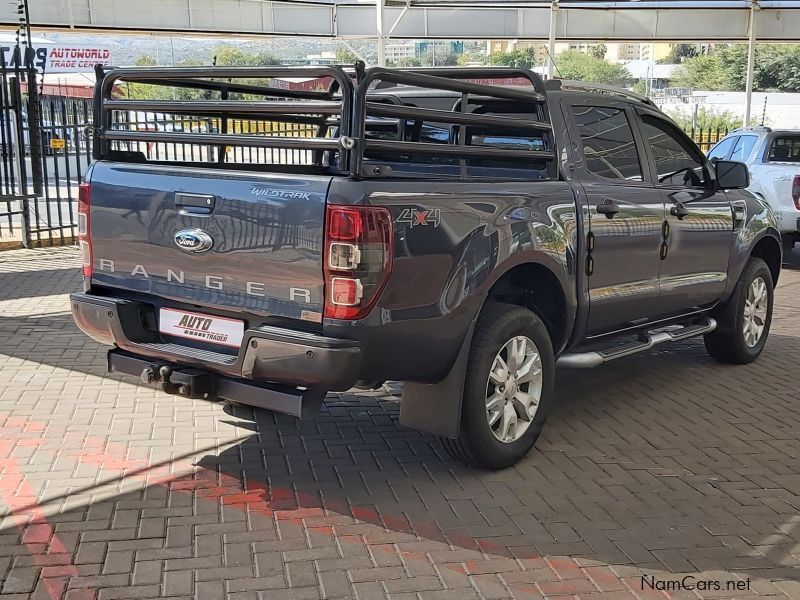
197 383
192 383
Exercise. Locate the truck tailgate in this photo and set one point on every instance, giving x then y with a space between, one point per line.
229 240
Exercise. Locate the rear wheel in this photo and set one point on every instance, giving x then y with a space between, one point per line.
743 325
508 388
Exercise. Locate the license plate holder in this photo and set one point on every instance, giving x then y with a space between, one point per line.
221 331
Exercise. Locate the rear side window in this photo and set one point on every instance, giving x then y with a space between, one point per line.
785 148
608 145
743 147
722 149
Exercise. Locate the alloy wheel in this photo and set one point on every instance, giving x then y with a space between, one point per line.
755 312
514 389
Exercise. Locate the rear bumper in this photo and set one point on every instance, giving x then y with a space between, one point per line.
197 383
788 221
268 354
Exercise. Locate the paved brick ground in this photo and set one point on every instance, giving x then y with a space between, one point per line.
660 465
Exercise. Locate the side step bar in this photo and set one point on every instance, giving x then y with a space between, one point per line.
673 333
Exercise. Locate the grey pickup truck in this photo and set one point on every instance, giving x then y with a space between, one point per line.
268 235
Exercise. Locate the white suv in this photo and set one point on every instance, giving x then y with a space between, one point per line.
773 157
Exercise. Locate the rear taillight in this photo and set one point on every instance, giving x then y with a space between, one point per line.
358 259
796 191
84 239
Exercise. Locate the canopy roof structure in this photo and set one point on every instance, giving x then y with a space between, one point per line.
565 20
579 20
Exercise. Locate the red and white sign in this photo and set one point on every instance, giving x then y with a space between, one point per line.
57 58
204 328
76 59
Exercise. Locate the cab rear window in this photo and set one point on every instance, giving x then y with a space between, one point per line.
785 148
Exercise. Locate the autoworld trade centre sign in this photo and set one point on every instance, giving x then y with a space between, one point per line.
58 58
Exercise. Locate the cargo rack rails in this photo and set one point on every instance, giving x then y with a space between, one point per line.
342 115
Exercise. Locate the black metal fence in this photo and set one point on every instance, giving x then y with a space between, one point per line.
707 137
15 144
44 155
160 151
65 158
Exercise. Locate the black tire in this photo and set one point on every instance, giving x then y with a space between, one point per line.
727 342
476 445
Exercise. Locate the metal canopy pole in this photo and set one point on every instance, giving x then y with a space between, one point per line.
379 8
751 62
551 39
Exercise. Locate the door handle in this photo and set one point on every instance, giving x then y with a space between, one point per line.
679 210
608 208
195 204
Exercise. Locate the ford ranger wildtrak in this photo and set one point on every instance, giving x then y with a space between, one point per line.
293 232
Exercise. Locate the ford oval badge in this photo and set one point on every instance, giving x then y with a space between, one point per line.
193 240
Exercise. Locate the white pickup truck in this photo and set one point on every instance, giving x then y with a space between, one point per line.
773 157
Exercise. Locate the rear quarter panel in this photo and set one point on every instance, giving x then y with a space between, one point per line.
759 222
452 242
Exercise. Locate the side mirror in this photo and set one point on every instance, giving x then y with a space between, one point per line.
731 174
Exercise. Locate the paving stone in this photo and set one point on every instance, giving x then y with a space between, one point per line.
658 465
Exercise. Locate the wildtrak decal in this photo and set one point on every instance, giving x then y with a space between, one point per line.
266 192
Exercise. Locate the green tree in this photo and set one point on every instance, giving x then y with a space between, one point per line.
346 56
524 57
145 60
571 64
777 67
234 56
598 50
704 72
442 55
678 53
471 58
408 61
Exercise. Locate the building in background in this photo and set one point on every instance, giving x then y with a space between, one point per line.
426 46
615 52
323 59
619 52
396 52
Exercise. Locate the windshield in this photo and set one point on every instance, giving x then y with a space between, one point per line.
785 148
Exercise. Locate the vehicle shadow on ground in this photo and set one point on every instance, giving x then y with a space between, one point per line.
666 462
47 282
791 260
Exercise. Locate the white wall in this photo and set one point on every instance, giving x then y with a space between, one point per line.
782 109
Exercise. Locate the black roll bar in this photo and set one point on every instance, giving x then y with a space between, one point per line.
350 106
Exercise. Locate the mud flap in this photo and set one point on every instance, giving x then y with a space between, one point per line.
436 407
